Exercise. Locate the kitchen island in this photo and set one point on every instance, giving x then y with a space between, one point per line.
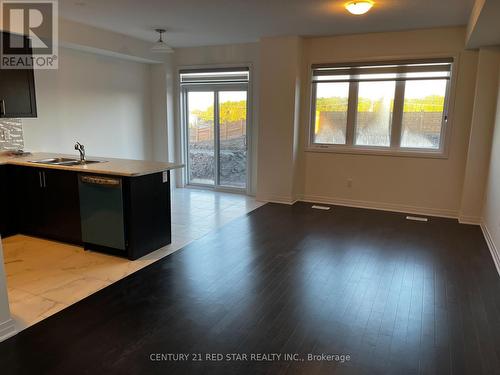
113 205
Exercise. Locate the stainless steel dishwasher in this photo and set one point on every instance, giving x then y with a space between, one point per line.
101 211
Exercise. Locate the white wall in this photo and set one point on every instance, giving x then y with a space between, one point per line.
162 101
279 118
426 185
228 55
482 124
159 112
102 102
491 211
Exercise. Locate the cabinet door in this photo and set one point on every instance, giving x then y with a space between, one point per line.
4 199
7 201
17 93
29 195
61 206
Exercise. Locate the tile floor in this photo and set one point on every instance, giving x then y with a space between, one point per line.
44 277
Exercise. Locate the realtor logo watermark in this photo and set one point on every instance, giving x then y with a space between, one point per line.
33 37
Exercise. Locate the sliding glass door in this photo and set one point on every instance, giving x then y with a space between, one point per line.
216 131
232 136
201 137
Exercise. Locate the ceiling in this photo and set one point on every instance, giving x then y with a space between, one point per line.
212 22
483 29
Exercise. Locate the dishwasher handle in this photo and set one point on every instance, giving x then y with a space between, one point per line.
101 181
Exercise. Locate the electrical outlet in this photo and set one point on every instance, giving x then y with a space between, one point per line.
349 183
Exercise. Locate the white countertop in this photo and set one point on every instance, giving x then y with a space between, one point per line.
110 166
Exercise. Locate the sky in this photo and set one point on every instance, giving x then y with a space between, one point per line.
201 100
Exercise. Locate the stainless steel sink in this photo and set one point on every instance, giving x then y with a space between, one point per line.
65 161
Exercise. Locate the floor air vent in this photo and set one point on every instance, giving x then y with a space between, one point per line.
417 218
325 208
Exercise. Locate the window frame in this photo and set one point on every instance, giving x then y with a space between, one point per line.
394 148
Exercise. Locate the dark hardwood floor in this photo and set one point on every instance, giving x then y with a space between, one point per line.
398 297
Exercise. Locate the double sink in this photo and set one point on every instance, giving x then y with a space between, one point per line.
65 161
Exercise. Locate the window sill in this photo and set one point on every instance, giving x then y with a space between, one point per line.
379 151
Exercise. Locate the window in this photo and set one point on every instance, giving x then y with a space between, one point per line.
331 113
423 113
391 106
374 113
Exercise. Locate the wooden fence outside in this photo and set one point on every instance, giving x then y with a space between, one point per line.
205 132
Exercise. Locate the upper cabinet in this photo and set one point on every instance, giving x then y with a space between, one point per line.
17 91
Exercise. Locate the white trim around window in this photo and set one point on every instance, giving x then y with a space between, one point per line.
399 71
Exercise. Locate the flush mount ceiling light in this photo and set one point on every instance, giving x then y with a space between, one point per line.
358 7
160 46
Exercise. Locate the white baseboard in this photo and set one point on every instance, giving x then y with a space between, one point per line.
275 199
381 206
473 220
7 329
495 253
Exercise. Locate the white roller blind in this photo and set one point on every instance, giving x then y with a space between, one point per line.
236 75
383 71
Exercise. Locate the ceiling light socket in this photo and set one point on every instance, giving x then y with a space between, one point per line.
160 46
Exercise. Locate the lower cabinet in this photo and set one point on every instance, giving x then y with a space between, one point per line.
28 188
49 203
126 215
147 213
62 206
7 202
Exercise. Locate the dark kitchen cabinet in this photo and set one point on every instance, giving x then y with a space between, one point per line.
17 90
29 192
56 204
50 205
61 206
147 212
7 204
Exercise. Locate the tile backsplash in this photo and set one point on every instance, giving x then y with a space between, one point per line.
11 134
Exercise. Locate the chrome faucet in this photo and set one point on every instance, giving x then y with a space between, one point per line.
81 149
